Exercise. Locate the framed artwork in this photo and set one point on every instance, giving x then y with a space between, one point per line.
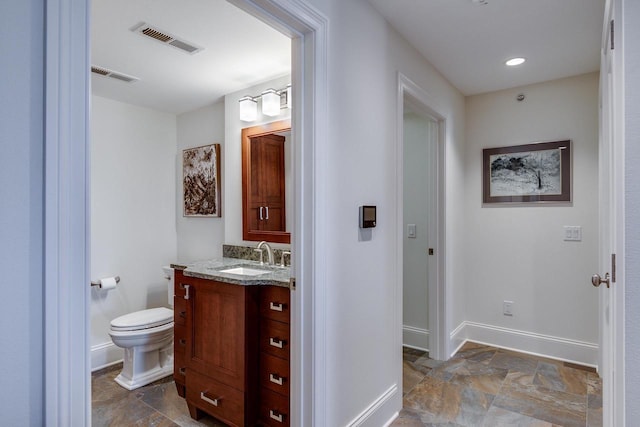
201 181
530 173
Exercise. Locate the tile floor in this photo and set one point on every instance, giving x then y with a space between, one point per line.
156 404
486 386
480 386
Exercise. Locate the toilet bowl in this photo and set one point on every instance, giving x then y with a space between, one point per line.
147 339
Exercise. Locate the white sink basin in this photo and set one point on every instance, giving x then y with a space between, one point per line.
244 271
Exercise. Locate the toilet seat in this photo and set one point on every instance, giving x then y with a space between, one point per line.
144 319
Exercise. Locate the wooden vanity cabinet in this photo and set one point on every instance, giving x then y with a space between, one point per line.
231 348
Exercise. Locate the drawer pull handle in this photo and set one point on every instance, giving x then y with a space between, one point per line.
276 342
275 415
214 402
275 379
183 342
181 371
186 290
275 306
183 314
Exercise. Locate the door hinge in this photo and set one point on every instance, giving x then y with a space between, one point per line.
292 283
613 268
611 35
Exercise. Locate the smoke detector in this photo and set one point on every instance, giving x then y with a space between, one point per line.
165 38
105 72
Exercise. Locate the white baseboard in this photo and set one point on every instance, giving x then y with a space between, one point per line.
378 413
417 338
106 354
568 350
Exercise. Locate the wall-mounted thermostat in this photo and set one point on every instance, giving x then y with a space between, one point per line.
367 216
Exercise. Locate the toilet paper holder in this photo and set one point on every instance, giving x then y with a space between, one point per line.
97 282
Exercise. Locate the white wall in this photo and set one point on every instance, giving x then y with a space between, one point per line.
365 56
631 46
415 307
518 253
200 237
21 212
133 232
232 181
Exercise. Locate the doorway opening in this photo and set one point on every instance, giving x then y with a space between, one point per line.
67 390
421 224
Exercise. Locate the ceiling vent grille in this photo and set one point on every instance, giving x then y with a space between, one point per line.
105 72
166 38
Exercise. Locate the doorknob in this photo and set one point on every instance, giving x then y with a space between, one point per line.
596 280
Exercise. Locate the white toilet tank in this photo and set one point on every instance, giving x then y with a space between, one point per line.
168 274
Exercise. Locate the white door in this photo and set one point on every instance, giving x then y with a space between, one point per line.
608 277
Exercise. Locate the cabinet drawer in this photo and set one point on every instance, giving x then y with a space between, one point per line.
274 409
215 398
179 311
274 374
274 338
275 303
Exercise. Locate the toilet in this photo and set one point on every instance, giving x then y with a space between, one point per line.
147 339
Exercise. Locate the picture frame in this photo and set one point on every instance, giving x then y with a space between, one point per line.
201 181
527 174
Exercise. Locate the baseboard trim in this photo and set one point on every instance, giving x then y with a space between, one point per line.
417 338
374 414
104 355
552 347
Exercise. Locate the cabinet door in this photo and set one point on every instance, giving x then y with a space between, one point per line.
263 183
217 337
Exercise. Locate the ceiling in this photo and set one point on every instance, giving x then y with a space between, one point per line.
468 42
239 51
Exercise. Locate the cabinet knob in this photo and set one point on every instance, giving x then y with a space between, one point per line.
276 379
182 342
275 342
275 306
181 371
214 402
275 415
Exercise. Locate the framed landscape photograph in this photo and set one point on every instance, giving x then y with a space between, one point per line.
201 181
530 173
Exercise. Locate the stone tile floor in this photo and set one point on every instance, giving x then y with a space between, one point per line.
480 386
156 404
486 386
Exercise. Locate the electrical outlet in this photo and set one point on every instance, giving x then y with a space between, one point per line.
507 308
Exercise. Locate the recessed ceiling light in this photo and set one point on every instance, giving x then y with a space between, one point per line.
515 61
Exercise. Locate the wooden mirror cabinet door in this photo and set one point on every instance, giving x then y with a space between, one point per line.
263 183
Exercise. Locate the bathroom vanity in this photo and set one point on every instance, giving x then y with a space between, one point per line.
231 341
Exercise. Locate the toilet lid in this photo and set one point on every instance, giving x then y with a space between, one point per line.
144 319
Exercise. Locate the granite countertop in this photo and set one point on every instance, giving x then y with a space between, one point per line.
210 270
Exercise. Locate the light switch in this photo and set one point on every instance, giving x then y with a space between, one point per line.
572 233
411 231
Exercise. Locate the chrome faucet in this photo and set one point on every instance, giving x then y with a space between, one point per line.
264 245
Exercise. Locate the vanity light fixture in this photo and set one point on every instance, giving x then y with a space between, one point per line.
272 102
514 61
248 109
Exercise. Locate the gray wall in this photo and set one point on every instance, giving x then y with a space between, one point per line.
21 211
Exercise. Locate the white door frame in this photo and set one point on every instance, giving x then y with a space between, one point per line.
438 339
67 87
612 221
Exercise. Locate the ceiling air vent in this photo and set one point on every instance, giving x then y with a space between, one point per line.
101 71
165 38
